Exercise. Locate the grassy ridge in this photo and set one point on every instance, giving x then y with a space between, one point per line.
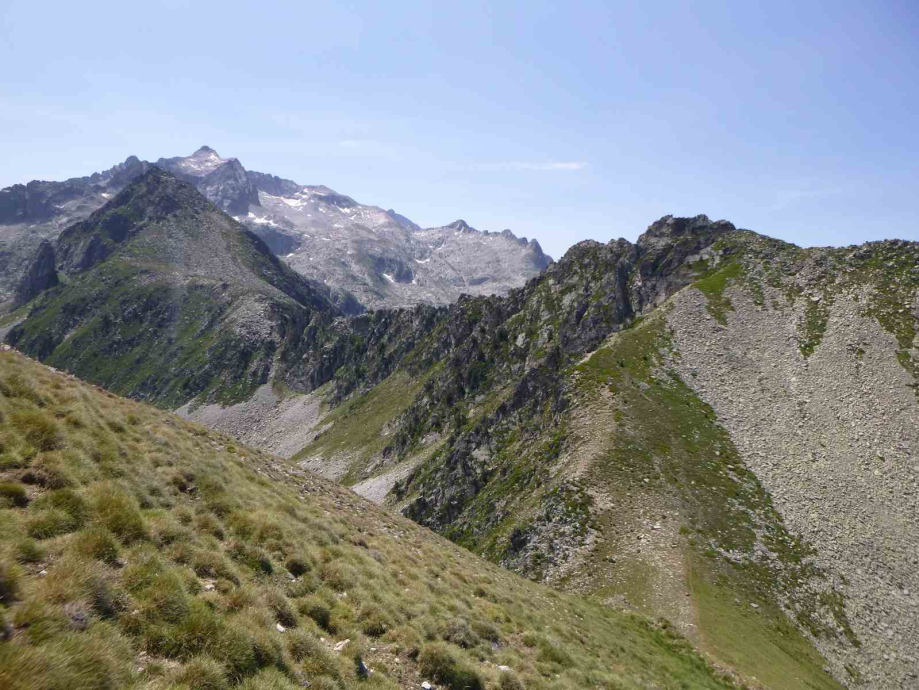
138 550
667 448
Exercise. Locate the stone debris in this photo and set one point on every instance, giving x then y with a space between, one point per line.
833 437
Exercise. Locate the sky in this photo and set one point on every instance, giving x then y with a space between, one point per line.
560 121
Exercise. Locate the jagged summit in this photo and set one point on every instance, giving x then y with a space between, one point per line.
459 225
167 297
379 257
670 229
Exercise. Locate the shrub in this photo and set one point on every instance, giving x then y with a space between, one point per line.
117 510
29 551
75 661
97 543
315 658
252 556
297 566
457 631
165 599
338 576
553 654
209 524
443 665
13 496
202 673
269 679
50 522
281 608
10 577
38 429
316 609
374 622
509 681
68 501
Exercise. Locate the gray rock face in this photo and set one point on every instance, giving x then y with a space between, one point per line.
167 297
40 210
833 438
382 257
361 253
222 180
40 276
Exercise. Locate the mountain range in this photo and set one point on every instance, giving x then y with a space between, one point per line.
706 427
368 257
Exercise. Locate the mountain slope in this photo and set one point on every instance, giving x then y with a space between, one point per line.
165 297
380 256
38 211
642 422
139 550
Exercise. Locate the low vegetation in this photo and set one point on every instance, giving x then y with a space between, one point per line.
668 448
141 551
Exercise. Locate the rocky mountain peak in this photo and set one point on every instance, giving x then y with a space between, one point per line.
379 257
151 197
460 226
670 230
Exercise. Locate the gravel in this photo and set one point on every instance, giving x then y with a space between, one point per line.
274 424
834 439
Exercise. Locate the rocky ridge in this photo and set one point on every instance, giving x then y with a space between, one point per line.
581 430
165 297
832 436
526 456
367 257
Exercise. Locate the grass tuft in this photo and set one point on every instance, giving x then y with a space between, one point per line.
441 663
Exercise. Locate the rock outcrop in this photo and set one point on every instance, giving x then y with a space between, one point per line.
40 276
367 257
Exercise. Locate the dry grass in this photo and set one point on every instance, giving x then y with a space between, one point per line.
141 551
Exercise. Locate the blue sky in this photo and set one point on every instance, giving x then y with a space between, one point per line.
561 121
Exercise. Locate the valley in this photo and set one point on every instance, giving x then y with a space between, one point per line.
707 428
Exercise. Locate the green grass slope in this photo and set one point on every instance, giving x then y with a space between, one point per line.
665 454
138 550
165 297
